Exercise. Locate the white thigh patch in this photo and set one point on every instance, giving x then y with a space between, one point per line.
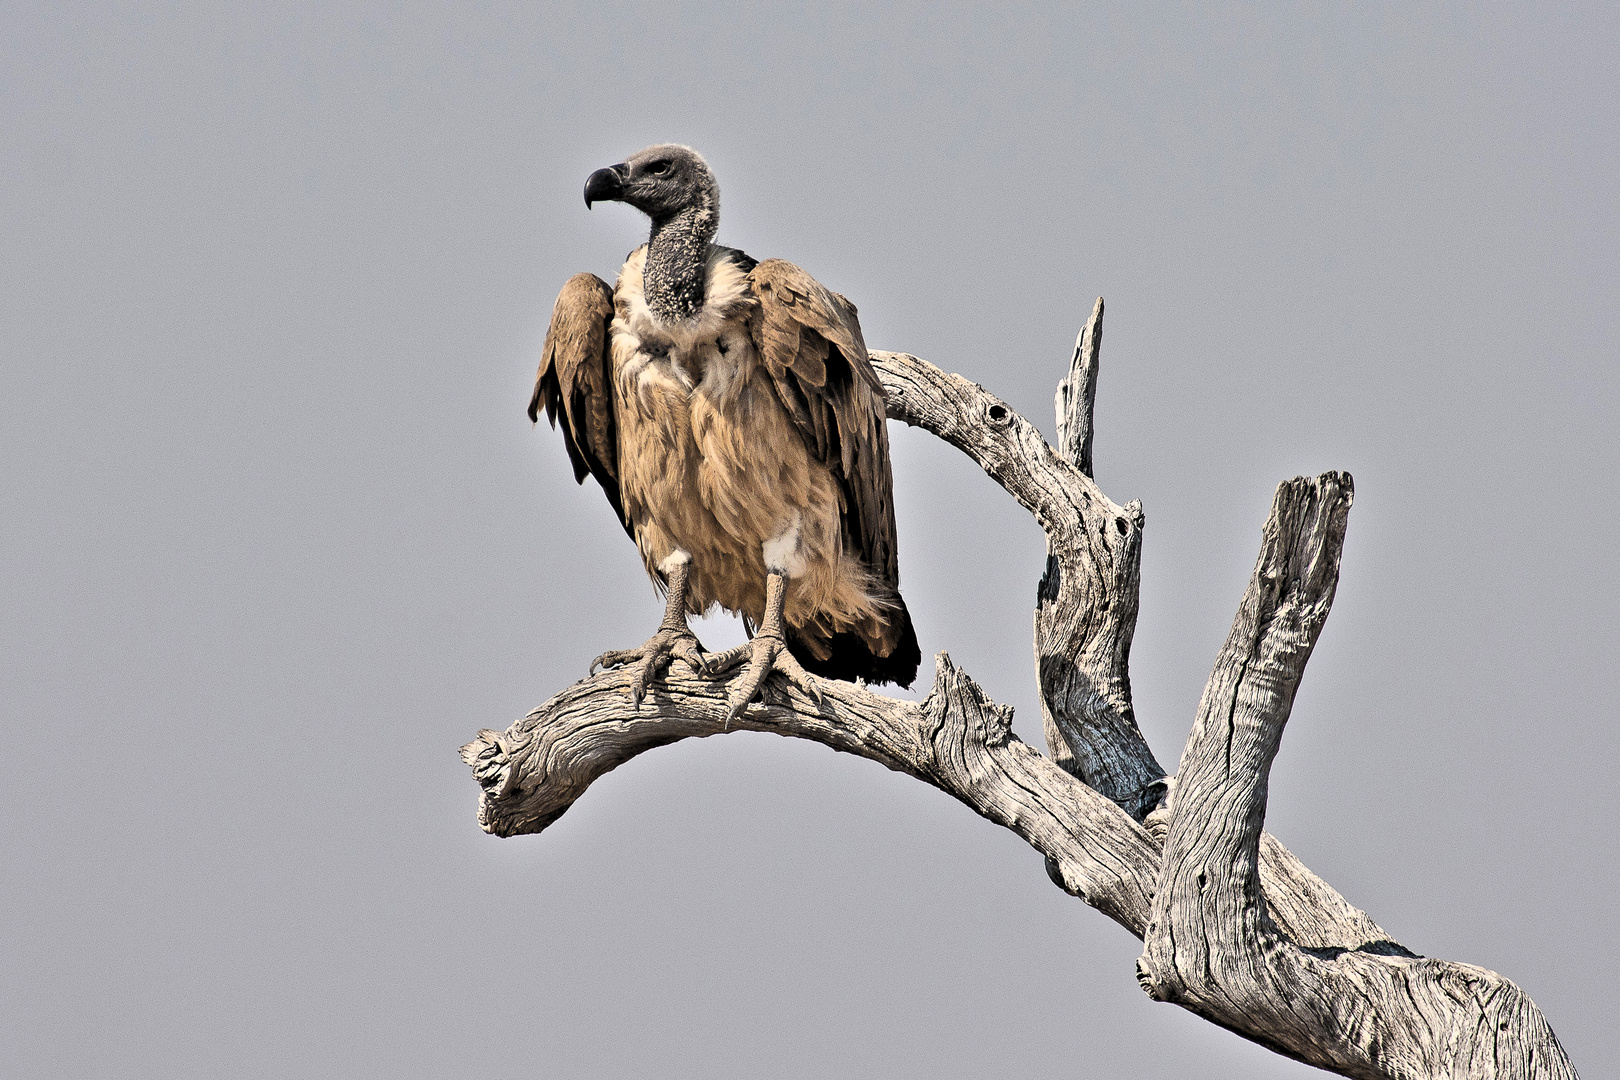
678 557
784 552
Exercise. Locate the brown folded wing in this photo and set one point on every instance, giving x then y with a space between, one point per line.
575 379
810 342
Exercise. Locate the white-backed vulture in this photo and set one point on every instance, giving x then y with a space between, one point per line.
729 410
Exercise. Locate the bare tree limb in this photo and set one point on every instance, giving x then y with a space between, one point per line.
1213 947
1077 394
957 740
1086 603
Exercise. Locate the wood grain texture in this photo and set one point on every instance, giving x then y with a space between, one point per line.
1213 945
1235 928
1077 394
957 740
1086 601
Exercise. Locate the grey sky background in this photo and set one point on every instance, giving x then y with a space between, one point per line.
277 538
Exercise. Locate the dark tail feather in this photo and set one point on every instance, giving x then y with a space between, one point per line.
851 659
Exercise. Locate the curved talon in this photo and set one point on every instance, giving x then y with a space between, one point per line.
764 654
652 658
717 664
613 658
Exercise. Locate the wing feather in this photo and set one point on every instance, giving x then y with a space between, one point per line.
810 341
575 379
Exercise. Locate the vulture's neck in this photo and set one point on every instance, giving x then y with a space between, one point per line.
677 263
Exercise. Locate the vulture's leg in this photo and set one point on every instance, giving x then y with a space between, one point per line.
767 652
674 638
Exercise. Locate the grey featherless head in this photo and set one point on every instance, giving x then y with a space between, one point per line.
661 181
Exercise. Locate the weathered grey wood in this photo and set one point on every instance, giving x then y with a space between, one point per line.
1213 945
1077 394
957 740
1257 943
1086 602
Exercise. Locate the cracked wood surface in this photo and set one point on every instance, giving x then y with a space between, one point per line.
1213 946
1086 601
1257 943
957 740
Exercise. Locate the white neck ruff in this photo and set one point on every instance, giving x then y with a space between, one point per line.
726 295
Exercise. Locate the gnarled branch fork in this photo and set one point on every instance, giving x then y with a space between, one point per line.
1235 928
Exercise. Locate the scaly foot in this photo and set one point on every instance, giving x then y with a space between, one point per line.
764 654
653 657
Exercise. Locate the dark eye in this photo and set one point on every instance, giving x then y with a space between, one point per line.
658 168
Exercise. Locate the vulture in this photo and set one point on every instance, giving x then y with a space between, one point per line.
730 412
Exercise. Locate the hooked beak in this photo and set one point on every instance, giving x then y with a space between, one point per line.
605 185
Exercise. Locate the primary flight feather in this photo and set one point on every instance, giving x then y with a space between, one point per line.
730 412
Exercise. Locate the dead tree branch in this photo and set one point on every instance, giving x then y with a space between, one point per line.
957 740
1375 1011
1086 610
1235 928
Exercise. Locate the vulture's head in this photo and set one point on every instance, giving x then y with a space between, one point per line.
661 181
